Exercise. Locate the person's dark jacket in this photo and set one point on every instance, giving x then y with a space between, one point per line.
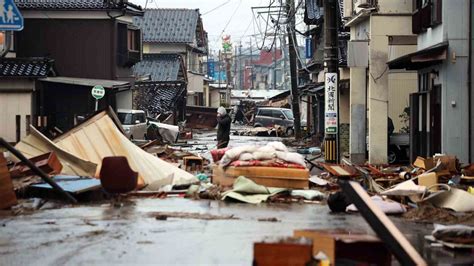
223 129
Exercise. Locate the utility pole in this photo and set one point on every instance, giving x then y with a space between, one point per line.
275 63
331 82
241 66
295 96
228 74
251 64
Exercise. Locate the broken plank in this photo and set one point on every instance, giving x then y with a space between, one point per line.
7 195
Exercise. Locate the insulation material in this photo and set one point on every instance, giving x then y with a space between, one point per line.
37 144
100 137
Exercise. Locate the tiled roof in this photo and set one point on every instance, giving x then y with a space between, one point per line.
161 67
168 25
75 5
28 67
159 98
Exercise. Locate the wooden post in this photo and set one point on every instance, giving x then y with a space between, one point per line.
18 127
27 124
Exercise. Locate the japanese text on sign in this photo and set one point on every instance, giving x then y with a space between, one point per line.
331 89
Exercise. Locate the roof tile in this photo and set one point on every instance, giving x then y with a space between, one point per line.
161 67
28 67
75 5
168 25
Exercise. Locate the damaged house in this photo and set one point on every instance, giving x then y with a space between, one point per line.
163 94
65 49
180 32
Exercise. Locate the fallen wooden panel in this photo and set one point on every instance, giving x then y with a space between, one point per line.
265 176
7 195
100 136
340 170
47 162
37 144
339 245
382 225
283 252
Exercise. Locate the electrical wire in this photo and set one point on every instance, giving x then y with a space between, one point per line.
217 7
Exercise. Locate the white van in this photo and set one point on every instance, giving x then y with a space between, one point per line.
134 123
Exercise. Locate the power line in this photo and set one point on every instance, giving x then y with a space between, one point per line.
217 7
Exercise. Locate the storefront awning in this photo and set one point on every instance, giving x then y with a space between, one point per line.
109 84
420 59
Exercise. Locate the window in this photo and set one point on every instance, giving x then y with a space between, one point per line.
128 45
265 112
289 114
141 117
133 40
436 12
125 118
277 114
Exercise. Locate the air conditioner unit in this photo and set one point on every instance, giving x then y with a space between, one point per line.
362 3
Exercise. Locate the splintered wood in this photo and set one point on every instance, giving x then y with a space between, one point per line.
7 195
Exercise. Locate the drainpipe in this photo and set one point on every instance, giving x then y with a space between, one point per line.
469 81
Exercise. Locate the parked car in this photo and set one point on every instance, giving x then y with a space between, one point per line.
270 116
134 123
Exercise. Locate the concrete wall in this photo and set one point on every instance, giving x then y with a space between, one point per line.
400 85
395 6
195 82
15 99
215 98
124 100
378 80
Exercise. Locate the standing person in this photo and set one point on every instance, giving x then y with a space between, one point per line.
223 128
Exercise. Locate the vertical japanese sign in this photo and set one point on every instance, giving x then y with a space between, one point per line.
331 118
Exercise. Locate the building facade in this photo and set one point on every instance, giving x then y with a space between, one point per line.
441 113
374 24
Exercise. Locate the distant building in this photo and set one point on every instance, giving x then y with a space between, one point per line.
181 32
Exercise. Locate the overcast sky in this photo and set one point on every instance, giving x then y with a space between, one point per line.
233 17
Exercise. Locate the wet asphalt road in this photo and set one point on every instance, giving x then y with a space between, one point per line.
100 234
105 235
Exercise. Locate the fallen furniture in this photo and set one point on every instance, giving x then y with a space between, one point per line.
266 176
37 171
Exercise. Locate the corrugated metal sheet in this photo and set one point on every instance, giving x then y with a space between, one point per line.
99 137
37 144
161 67
168 25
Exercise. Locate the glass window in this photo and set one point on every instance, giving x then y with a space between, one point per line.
277 114
265 112
125 118
289 114
142 118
